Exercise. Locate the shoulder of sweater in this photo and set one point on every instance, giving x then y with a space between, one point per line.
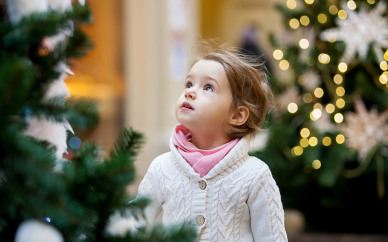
257 166
159 159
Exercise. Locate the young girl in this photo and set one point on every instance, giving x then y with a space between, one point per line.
208 176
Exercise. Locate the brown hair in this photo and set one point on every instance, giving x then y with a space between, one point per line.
248 81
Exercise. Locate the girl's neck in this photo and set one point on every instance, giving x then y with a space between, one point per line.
208 141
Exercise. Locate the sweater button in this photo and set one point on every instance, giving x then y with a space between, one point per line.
200 220
202 185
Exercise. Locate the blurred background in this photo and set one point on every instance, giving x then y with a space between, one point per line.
326 142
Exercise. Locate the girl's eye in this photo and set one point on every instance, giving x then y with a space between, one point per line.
188 85
209 88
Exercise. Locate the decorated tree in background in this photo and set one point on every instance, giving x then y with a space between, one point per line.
328 137
44 197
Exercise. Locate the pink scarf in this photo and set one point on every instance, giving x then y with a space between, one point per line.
202 161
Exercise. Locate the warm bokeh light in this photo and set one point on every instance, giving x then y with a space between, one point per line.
284 65
316 164
297 150
333 9
326 141
342 67
340 103
386 55
316 113
331 37
383 78
278 54
318 92
322 18
307 98
384 65
317 106
342 14
291 4
302 79
309 1
313 141
338 118
338 79
312 117
371 1
304 20
330 108
324 58
352 5
304 142
304 43
292 107
294 23
340 139
305 132
340 91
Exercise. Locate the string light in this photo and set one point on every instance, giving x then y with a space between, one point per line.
278 54
324 58
318 92
309 1
340 103
342 14
317 106
304 142
291 4
316 113
340 91
338 79
304 20
305 132
304 43
292 107
316 164
383 78
297 150
313 141
302 79
307 98
284 65
340 139
294 23
371 1
331 37
330 108
338 118
352 5
326 141
342 67
322 18
384 65
333 9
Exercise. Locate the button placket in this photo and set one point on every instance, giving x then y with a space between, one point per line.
200 220
202 185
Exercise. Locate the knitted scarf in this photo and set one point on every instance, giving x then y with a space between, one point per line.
202 161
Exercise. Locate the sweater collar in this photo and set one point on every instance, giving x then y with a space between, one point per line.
231 160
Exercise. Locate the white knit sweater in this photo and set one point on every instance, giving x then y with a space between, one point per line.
238 199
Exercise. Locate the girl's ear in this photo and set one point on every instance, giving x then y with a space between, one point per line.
240 116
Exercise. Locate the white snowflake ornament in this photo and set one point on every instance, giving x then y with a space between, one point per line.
313 80
289 96
359 30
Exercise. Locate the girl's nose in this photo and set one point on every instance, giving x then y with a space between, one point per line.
190 93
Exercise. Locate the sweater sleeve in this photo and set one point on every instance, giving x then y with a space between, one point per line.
266 210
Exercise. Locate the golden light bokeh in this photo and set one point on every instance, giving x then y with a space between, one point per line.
294 23
342 67
338 118
308 98
312 117
342 14
278 54
371 1
302 79
322 18
291 4
352 5
386 55
340 103
304 43
340 139
304 20
313 141
338 79
305 132
330 108
326 141
297 150
384 65
333 9
304 142
316 113
309 1
292 107
317 106
284 65
316 164
318 92
331 37
324 58
340 91
383 78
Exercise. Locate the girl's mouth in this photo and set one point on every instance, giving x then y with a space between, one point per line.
187 105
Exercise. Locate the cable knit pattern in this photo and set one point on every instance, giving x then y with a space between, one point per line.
240 201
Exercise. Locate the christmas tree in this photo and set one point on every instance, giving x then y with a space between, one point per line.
42 196
327 140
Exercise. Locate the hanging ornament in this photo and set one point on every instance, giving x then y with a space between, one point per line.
34 231
359 30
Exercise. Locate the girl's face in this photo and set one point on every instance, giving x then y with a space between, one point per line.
206 99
